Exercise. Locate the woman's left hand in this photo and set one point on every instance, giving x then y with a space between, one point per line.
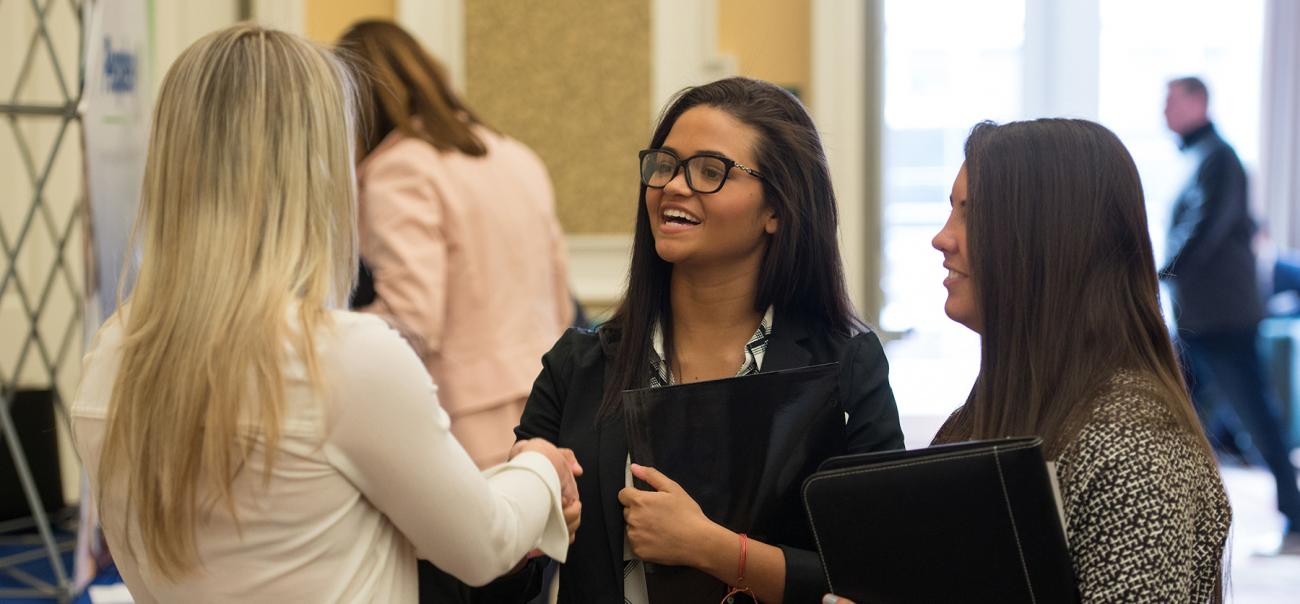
664 526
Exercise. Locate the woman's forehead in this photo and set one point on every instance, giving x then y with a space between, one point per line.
705 129
959 185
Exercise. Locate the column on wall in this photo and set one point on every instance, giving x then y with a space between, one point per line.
1280 122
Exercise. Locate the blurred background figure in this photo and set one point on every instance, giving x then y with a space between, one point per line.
459 239
1211 269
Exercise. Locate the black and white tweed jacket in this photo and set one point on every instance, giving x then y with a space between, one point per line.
1147 517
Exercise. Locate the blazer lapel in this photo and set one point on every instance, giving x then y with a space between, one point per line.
786 349
613 466
611 471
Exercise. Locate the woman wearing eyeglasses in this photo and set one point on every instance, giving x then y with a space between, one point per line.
735 270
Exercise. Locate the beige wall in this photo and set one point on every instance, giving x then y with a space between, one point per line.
571 79
769 40
326 20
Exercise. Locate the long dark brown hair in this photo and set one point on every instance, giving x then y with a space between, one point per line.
801 274
408 91
1065 282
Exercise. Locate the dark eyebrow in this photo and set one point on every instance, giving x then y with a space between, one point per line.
709 152
714 153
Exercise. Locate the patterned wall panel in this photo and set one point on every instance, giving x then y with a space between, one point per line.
571 79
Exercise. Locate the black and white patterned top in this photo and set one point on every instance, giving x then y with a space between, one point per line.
661 375
1146 514
634 587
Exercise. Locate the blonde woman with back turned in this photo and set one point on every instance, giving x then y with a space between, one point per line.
246 440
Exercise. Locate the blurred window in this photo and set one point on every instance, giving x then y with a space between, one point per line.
952 63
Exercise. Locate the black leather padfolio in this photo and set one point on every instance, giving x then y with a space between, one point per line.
741 447
968 522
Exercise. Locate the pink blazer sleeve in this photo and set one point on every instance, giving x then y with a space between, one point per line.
404 243
566 299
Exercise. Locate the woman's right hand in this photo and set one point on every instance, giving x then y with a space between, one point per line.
834 599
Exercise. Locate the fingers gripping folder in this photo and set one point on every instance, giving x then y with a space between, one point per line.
741 447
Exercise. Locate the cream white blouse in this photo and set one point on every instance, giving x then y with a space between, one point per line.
366 478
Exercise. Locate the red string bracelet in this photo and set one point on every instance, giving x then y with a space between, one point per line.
740 574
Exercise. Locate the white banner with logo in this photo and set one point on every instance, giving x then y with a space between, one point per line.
116 105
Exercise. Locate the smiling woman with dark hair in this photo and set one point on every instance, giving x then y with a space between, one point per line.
735 270
1050 261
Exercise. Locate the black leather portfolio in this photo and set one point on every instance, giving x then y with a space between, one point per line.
968 522
741 447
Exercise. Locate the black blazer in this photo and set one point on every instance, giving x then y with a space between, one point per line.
1210 260
563 408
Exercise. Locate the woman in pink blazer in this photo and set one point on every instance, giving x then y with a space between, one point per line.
458 231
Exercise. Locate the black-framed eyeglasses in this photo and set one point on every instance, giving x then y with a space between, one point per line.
705 173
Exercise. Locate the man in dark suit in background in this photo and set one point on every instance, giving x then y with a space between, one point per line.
1210 269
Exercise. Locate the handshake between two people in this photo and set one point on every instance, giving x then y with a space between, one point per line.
568 469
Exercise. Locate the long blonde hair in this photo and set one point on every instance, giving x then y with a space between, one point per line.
247 218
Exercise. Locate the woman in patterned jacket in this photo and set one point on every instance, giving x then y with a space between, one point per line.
1050 261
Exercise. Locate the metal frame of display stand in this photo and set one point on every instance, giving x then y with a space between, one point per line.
34 302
